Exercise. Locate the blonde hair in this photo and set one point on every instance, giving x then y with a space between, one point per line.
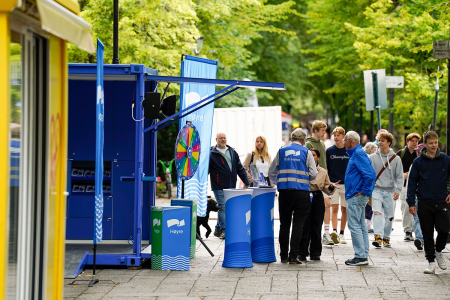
317 125
339 130
264 151
412 135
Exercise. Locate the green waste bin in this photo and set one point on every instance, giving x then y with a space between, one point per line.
192 204
171 230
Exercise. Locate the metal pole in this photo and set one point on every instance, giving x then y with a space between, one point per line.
354 113
436 87
115 59
448 106
375 98
360 118
182 188
371 126
391 105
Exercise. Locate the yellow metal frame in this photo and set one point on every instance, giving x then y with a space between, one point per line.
58 99
5 38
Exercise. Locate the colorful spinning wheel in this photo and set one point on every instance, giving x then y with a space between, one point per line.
187 151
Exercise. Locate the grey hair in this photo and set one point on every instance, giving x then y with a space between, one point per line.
221 133
298 135
354 136
369 147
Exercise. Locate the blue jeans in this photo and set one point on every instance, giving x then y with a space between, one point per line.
220 227
383 212
356 207
417 228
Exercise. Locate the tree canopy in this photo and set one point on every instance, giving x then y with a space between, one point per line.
319 48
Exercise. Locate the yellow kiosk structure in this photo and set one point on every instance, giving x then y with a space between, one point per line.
33 142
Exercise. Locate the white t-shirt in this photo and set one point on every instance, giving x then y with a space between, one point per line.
222 150
263 167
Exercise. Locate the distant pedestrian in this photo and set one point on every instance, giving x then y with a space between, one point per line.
407 155
260 158
337 161
388 185
291 170
369 148
319 129
359 183
428 181
418 241
224 167
310 244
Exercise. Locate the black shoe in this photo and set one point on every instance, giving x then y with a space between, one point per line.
314 258
302 257
408 237
208 232
418 244
284 260
295 261
216 233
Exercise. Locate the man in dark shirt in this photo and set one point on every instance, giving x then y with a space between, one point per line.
337 161
408 155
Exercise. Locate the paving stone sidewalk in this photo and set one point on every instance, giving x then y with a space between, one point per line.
393 273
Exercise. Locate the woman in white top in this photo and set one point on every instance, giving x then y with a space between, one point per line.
259 157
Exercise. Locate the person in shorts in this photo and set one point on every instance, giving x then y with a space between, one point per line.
337 161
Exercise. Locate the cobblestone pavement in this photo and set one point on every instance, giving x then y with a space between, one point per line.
395 273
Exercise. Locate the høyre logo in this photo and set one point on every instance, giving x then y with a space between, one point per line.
292 152
156 222
173 222
247 217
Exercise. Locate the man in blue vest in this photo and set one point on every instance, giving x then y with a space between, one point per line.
291 170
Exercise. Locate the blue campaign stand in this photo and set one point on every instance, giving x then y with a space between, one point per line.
262 232
237 228
171 238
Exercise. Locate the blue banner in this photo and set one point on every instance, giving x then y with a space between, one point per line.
196 188
99 138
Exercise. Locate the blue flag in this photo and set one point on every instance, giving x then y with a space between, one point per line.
196 188
99 138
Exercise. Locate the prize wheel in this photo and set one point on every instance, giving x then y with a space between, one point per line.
187 151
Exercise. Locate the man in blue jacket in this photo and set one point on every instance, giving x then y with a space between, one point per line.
428 181
224 166
359 184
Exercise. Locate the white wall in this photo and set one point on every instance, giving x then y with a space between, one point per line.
243 124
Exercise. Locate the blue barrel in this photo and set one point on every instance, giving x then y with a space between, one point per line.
262 232
238 205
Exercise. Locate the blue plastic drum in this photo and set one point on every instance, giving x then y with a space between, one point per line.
237 223
262 232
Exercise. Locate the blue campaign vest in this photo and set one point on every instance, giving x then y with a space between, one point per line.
292 170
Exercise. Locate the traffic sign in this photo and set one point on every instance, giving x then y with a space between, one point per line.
395 82
441 50
368 88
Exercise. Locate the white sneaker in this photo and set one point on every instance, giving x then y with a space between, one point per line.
327 239
440 260
431 269
342 239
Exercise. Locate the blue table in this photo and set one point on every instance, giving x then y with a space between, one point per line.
237 228
262 232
